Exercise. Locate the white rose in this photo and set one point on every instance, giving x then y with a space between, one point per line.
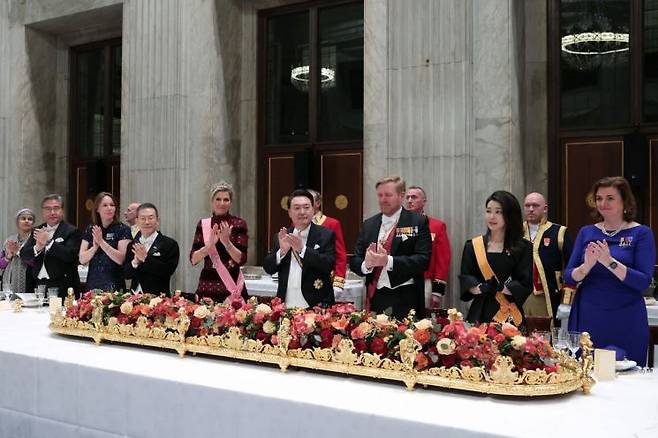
126 308
423 324
269 327
445 346
263 308
518 341
201 312
112 322
155 301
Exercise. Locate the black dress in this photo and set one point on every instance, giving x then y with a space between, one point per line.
513 268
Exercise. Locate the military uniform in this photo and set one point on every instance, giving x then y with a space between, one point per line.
340 268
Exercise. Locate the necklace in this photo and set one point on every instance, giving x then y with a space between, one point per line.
613 233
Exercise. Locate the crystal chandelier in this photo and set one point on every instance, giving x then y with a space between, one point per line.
300 77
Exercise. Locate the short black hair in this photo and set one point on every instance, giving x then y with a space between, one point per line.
300 192
146 205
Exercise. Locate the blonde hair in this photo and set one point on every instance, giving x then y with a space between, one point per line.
400 185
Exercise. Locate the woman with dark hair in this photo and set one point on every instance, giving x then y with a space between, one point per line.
15 274
104 245
496 268
613 262
220 241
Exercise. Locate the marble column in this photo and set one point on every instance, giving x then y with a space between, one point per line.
180 111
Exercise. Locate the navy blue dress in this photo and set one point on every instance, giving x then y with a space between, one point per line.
613 311
103 272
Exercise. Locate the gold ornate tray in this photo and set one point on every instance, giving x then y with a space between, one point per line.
343 358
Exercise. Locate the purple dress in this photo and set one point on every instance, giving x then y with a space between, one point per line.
613 311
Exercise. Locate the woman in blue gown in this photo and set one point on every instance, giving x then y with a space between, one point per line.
613 260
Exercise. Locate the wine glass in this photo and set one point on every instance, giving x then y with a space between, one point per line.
574 343
39 294
560 339
7 293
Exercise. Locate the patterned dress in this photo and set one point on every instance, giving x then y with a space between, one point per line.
210 285
103 273
613 311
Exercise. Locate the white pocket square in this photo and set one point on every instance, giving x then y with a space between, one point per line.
156 254
59 240
316 246
404 237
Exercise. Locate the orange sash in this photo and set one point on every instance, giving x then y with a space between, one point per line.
508 312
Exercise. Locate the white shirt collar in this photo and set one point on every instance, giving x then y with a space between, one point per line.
148 240
395 217
302 233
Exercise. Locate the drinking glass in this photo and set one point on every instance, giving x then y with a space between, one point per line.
546 336
560 339
53 292
574 343
40 293
7 293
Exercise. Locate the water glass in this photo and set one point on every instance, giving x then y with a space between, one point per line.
40 293
546 336
560 339
8 293
574 343
53 292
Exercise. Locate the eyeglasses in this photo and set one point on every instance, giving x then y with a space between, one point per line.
52 209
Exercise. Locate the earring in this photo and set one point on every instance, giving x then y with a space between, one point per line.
625 211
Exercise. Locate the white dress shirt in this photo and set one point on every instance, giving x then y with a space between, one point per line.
533 231
147 242
294 296
388 226
43 273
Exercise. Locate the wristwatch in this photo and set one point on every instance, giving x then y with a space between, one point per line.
613 264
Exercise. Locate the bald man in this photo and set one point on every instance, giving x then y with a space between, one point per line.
551 251
131 217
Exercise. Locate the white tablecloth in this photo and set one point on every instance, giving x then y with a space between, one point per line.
54 386
353 291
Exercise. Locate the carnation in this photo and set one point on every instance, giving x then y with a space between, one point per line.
155 301
263 308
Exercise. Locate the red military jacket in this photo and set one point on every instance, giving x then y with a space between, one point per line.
341 254
440 261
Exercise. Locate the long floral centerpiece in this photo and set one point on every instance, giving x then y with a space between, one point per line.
445 352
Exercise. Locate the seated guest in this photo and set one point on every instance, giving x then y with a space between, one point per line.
496 270
152 257
221 242
393 252
303 255
104 245
15 275
52 250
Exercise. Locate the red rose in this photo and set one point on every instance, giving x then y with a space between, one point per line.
261 335
499 338
449 360
466 363
275 315
236 305
360 345
326 336
492 332
378 346
293 344
421 361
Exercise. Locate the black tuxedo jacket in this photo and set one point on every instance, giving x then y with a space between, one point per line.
61 259
411 250
317 264
155 273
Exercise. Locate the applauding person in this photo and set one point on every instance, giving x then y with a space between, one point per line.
613 262
221 242
152 257
15 275
104 245
304 256
52 250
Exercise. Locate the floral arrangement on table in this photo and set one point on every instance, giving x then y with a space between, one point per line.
339 338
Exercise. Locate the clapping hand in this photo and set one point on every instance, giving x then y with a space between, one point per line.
591 255
11 249
140 252
284 242
41 237
296 242
97 234
601 251
225 234
376 256
214 237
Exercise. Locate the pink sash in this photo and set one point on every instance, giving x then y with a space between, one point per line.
235 290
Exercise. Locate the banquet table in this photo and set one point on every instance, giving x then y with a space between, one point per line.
55 386
266 286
